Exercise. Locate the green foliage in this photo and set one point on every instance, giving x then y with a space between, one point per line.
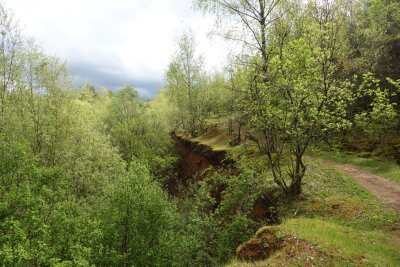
11 58
138 221
82 171
139 133
185 81
220 228
232 235
302 103
200 231
382 109
125 121
39 223
88 92
216 96
240 194
378 29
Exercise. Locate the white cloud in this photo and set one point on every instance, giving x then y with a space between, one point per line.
105 42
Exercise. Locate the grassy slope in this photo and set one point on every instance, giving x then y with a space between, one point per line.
348 245
333 244
217 138
385 168
345 219
344 223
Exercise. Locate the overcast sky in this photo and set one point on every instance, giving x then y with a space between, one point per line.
113 43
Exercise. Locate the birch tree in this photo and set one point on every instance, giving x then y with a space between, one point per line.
184 82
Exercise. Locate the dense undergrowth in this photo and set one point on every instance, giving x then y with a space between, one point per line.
343 224
336 221
91 177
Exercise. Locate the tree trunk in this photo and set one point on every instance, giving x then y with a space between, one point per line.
230 127
239 130
297 175
264 53
295 187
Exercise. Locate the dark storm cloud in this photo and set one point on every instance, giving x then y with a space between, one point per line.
114 43
111 77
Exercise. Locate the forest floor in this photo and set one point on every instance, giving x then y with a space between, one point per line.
347 215
386 190
336 222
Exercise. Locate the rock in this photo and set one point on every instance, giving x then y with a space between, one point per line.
261 246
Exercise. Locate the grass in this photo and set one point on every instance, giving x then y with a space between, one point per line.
349 245
216 136
345 224
330 193
343 218
342 223
382 167
215 139
327 191
324 242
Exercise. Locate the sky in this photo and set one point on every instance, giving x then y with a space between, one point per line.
119 42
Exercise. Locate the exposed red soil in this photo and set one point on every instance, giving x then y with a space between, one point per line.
290 250
259 210
196 159
193 162
260 247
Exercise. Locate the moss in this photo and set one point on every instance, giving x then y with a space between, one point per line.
386 168
261 246
359 247
343 207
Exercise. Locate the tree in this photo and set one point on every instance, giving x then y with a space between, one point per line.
302 110
102 92
184 82
216 95
88 92
379 37
138 134
303 99
237 100
255 17
124 122
138 222
382 109
10 46
50 106
41 222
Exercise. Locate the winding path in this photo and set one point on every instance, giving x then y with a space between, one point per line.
387 191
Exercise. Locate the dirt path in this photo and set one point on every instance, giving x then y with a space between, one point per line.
386 190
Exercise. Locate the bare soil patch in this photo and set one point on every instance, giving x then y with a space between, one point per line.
387 191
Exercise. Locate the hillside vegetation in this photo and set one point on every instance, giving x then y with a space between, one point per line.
219 169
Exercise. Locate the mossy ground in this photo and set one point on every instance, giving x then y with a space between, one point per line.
215 136
324 242
342 223
335 222
379 166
